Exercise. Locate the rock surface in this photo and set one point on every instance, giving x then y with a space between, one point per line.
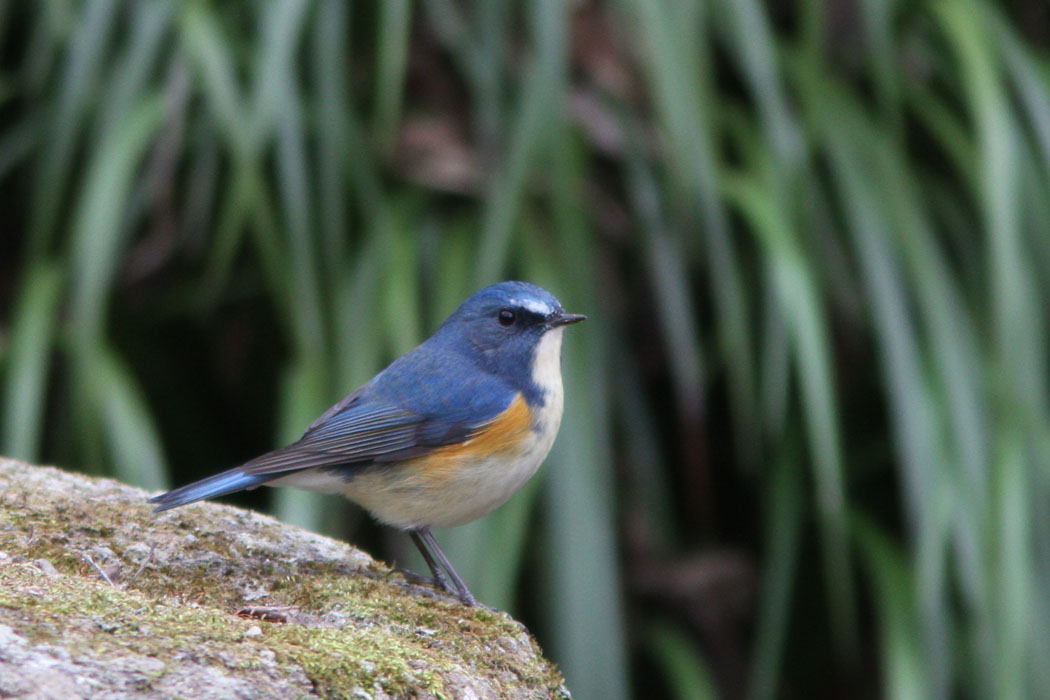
99 599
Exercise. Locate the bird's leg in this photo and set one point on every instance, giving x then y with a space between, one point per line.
461 588
439 576
429 548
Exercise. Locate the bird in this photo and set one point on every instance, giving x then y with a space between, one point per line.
443 436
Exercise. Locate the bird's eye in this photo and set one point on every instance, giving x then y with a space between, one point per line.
506 317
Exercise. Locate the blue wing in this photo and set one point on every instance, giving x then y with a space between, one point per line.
425 400
421 402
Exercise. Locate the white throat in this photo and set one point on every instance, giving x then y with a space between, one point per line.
546 374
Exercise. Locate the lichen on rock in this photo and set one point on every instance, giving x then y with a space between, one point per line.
99 597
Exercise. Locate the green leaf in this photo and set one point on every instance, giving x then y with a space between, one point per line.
98 231
132 438
392 50
687 672
34 320
893 589
80 78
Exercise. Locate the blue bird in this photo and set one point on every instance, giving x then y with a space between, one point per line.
441 437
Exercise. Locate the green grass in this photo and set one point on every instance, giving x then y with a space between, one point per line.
815 253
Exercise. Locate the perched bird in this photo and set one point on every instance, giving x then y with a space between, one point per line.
443 436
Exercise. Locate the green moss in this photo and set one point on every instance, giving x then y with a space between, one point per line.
180 579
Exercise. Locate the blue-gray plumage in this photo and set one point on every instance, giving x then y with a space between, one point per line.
443 435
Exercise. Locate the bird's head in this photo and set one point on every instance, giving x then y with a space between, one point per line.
510 327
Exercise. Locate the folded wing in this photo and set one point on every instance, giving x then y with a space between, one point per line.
353 434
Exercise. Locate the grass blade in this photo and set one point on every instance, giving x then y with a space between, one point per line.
797 290
132 438
674 41
538 110
98 231
331 25
80 77
392 49
684 666
585 603
34 320
893 589
783 526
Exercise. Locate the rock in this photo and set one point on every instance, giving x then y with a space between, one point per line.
166 623
47 567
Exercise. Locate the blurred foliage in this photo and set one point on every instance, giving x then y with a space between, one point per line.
805 447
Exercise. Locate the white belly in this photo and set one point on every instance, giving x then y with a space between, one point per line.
475 491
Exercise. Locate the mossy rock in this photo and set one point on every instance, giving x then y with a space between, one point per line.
98 598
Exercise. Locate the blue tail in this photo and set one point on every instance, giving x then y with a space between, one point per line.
218 485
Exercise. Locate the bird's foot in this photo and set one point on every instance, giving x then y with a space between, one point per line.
412 577
441 583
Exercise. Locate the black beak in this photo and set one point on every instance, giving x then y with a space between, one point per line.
564 319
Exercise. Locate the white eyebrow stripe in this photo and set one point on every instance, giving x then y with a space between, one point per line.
536 307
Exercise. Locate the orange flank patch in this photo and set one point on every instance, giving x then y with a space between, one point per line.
504 434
